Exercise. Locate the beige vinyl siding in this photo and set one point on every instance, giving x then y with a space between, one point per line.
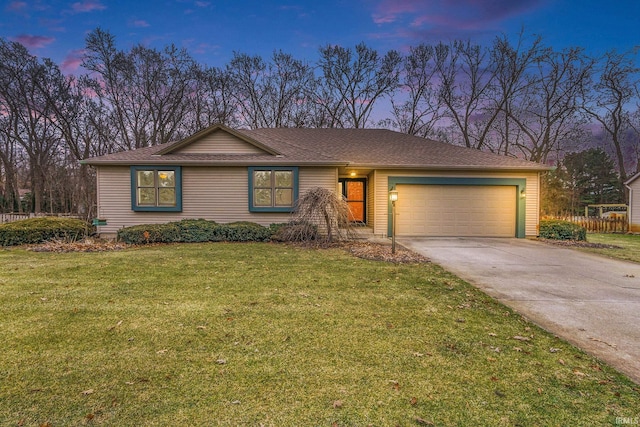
381 194
220 143
214 193
371 198
634 206
532 214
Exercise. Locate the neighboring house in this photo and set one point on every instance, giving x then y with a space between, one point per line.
633 211
228 175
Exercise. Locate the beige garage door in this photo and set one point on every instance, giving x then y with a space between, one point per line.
456 210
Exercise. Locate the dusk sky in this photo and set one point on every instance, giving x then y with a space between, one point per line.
211 30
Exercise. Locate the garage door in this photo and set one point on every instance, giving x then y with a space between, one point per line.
456 210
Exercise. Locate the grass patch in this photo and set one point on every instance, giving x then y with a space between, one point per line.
628 246
264 334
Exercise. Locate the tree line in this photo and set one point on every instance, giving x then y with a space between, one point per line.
516 98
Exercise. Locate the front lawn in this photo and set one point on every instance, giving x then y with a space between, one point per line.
273 335
628 246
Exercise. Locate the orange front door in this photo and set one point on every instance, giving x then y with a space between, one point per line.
355 195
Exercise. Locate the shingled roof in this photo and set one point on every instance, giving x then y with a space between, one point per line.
357 148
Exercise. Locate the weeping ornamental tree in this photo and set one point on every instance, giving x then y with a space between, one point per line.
321 210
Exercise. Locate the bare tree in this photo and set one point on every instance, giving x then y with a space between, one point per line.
166 77
212 99
466 87
353 82
634 138
546 110
26 85
289 81
419 108
270 94
9 165
78 118
104 61
608 101
512 65
477 84
146 90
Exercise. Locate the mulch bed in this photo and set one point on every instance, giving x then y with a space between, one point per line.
360 249
382 252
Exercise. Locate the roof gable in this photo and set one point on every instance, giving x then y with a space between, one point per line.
218 139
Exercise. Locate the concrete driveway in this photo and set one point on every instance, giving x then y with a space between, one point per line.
591 301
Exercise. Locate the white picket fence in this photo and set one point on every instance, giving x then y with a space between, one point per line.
10 217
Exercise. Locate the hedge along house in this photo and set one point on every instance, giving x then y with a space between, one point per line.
228 175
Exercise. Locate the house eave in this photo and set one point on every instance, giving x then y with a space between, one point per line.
506 168
200 163
163 160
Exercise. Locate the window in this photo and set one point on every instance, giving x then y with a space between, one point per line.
156 188
273 189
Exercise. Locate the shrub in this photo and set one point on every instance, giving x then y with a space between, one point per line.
150 233
194 230
243 231
561 230
197 230
296 232
275 228
38 230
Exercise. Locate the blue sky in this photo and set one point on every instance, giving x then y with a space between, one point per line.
212 30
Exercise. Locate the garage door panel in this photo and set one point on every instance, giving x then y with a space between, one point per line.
452 210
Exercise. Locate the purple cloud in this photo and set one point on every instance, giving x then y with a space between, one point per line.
16 6
203 48
456 14
388 11
199 48
87 6
140 23
72 61
33 42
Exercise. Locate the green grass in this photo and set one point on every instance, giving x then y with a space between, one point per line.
629 246
263 334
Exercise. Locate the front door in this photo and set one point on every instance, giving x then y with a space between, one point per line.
354 192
